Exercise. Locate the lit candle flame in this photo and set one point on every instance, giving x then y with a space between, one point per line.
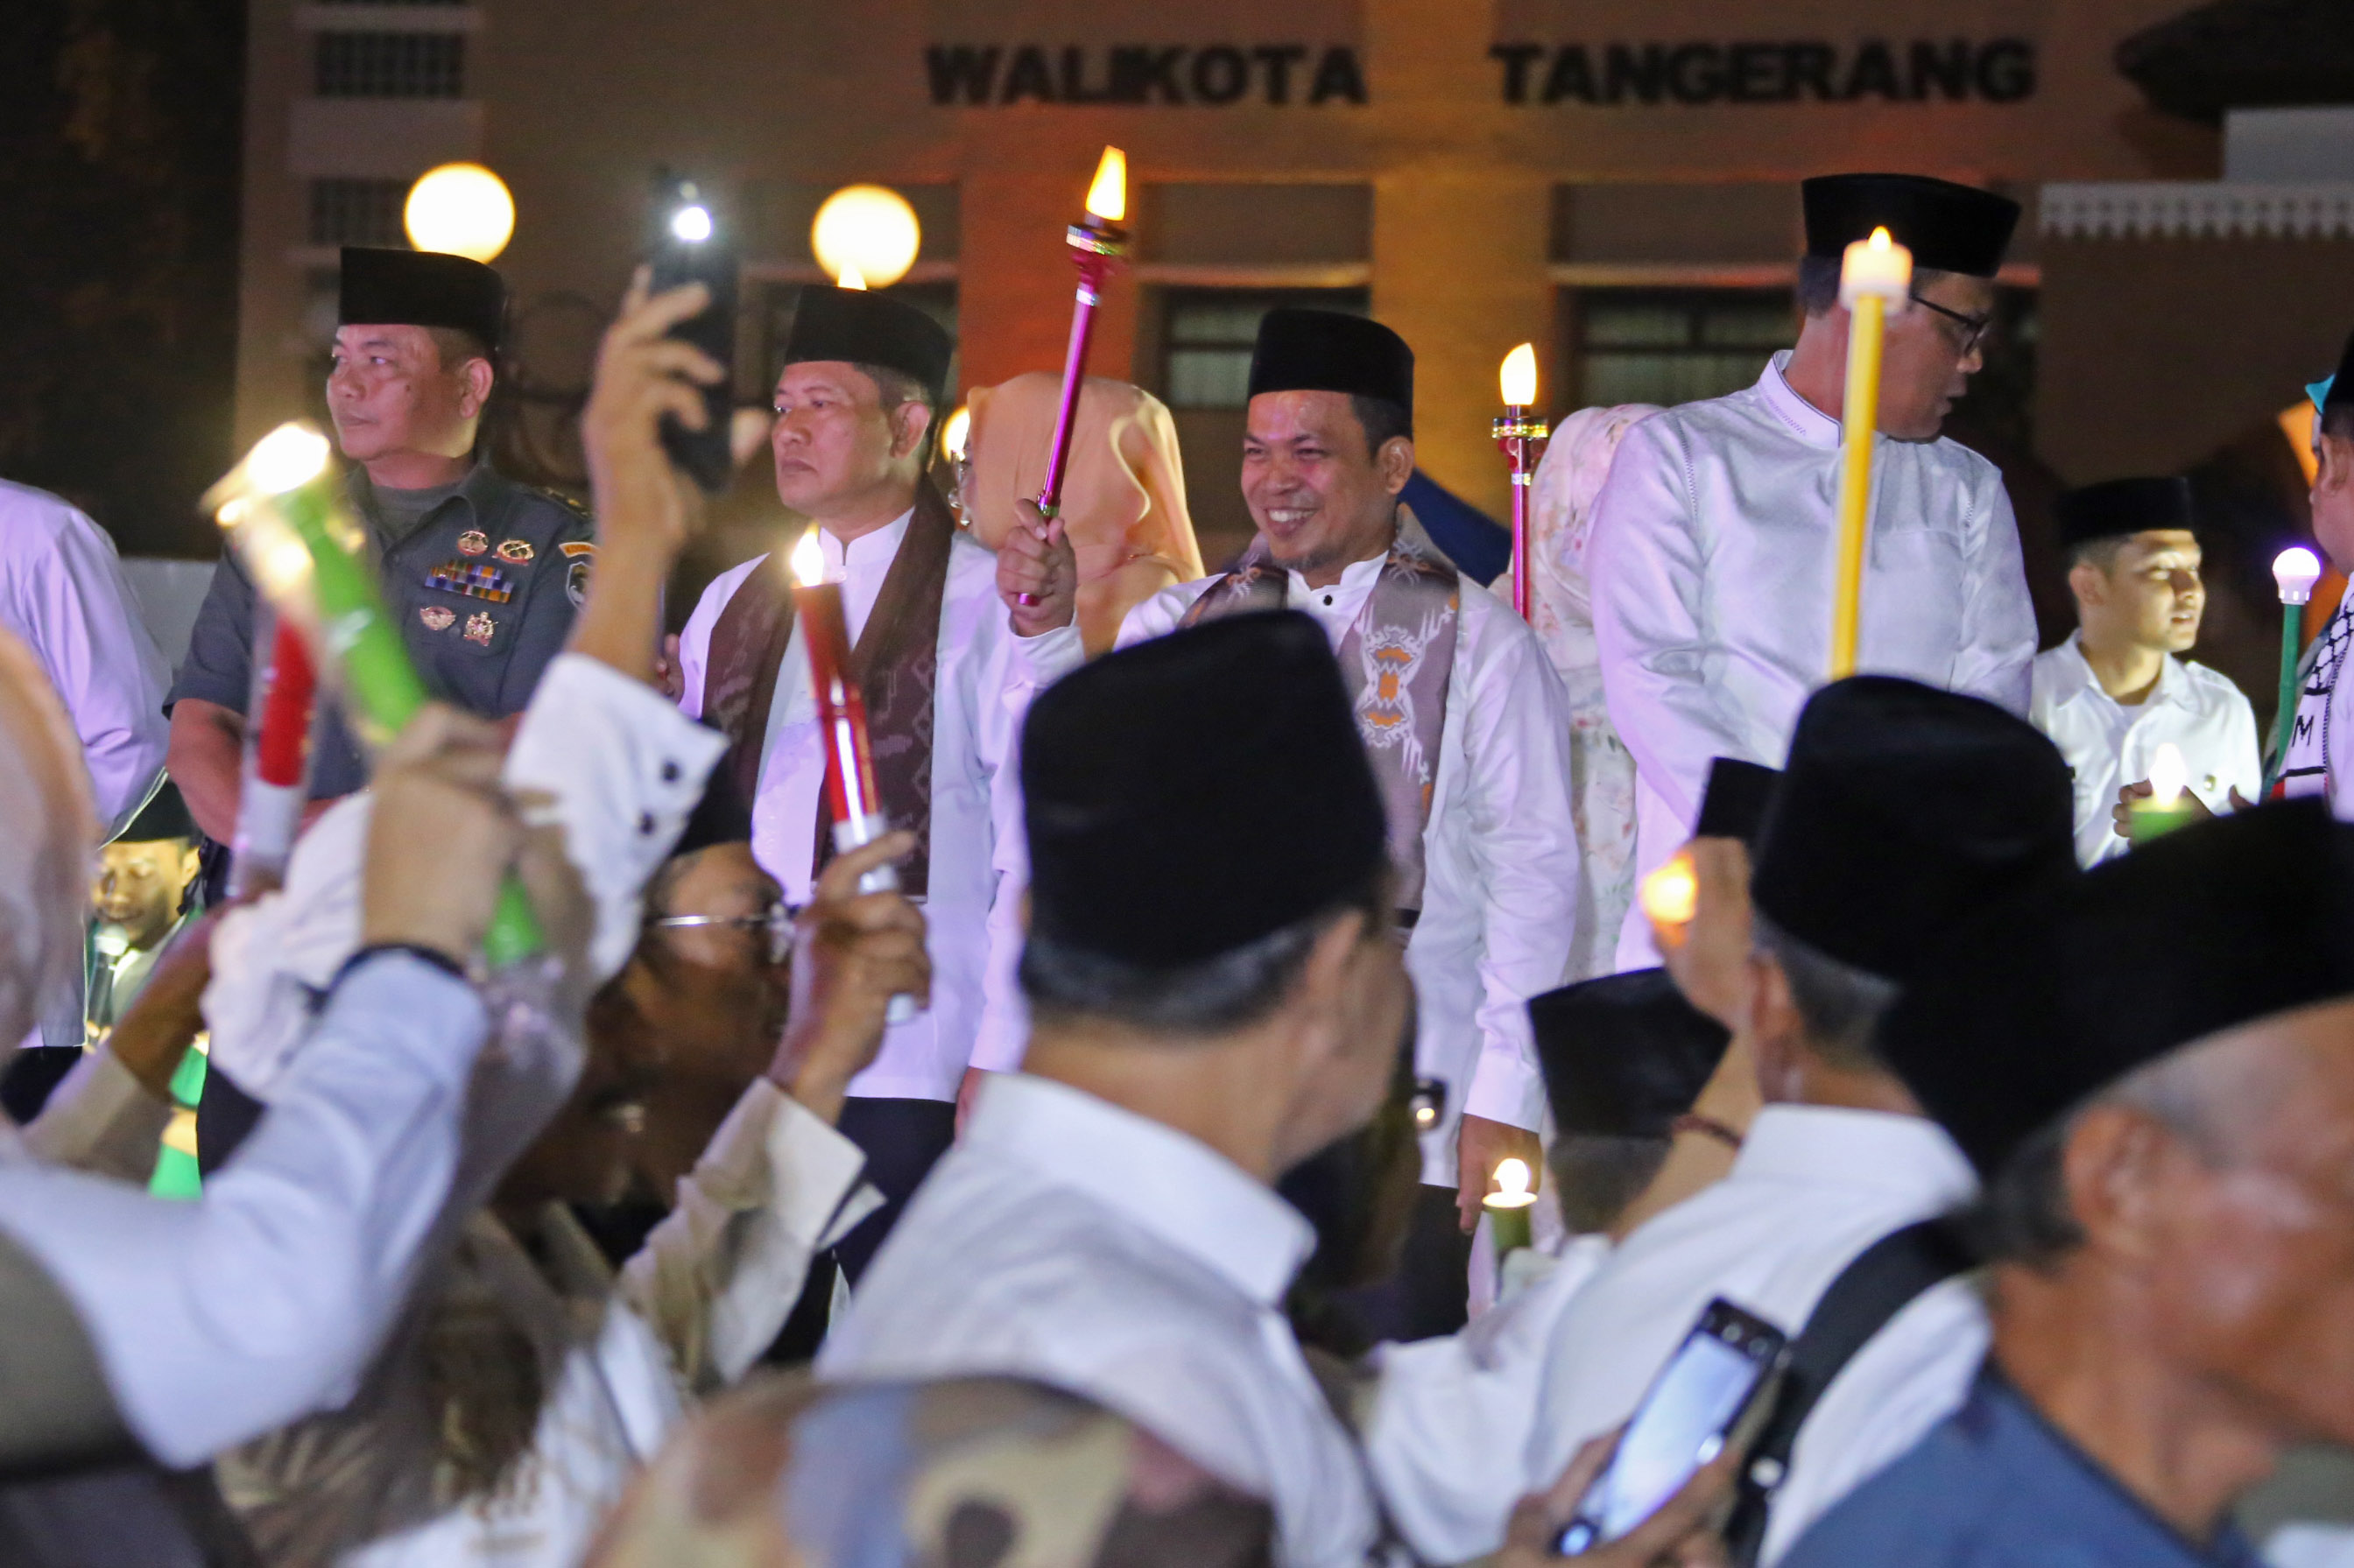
809 559
1671 893
1880 240
2168 776
288 458
850 278
954 433
2294 571
1512 1184
1108 196
1520 376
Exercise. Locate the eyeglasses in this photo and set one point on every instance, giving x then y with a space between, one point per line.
774 924
1974 328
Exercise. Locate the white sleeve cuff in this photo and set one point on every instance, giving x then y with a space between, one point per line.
101 1119
1506 1089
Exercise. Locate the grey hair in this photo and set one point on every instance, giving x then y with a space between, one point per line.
1840 1004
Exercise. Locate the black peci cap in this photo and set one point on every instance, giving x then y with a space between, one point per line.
422 288
1624 1055
1325 351
1901 808
2119 508
165 816
2040 1003
861 327
1188 795
1734 804
1948 227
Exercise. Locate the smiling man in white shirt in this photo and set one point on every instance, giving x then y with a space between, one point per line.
2114 692
1215 994
946 656
1468 727
1716 540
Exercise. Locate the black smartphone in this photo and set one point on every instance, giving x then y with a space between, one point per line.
690 245
1709 1395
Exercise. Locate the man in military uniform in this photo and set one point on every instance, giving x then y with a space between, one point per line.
481 574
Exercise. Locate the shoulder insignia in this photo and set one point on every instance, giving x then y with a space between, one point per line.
579 511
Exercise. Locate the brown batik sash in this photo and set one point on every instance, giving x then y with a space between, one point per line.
896 666
1397 662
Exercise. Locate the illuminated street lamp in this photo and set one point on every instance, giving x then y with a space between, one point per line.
866 236
461 209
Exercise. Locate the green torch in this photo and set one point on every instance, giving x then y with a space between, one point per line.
281 508
2294 571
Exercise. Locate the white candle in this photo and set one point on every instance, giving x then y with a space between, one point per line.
1877 268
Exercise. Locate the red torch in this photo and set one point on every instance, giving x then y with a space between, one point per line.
1095 243
1522 435
850 794
273 790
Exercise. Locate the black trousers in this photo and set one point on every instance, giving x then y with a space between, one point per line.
901 1139
1430 1293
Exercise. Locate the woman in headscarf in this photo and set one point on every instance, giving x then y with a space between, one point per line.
1561 609
1123 488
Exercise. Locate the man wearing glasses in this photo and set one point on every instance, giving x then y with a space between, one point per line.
1716 536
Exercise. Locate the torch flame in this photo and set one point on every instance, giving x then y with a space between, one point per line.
1671 893
954 433
2168 776
1108 196
1520 376
2294 571
809 559
288 458
850 278
1512 1185
1880 240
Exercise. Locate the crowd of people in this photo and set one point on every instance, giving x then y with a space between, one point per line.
1125 1178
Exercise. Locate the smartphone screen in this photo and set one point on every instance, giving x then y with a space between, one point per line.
1683 1424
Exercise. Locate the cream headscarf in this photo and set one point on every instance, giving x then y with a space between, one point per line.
1123 490
45 852
1561 609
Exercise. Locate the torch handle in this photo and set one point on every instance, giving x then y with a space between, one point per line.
382 681
270 795
1074 371
1859 422
2284 717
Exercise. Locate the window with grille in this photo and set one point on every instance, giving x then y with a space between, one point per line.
1676 345
391 65
1207 335
357 212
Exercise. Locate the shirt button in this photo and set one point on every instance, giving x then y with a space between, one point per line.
1327 601
669 772
645 823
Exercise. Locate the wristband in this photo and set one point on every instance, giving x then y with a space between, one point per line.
434 956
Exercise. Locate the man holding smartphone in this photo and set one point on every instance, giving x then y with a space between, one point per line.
946 654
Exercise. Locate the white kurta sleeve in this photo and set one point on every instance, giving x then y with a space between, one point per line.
1660 672
1997 651
716 1279
1517 753
101 1119
220 1319
73 606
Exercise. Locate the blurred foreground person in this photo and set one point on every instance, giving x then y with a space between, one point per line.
141 901
1716 540
2155 1082
482 575
2114 692
2320 760
1463 719
1201 1023
1123 489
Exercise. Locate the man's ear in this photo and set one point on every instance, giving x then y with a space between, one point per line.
1773 1029
475 379
2116 1169
2088 583
909 423
2335 455
1322 994
1394 462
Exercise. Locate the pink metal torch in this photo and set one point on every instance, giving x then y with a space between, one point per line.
1522 436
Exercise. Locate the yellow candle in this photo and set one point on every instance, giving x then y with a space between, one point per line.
1875 278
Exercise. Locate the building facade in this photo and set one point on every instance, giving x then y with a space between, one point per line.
1614 179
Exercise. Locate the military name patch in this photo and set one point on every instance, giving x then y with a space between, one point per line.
474 542
515 552
478 627
437 618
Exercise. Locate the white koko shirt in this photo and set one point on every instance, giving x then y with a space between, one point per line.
986 675
2109 745
1811 1189
1500 851
63 591
1067 1240
1715 563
